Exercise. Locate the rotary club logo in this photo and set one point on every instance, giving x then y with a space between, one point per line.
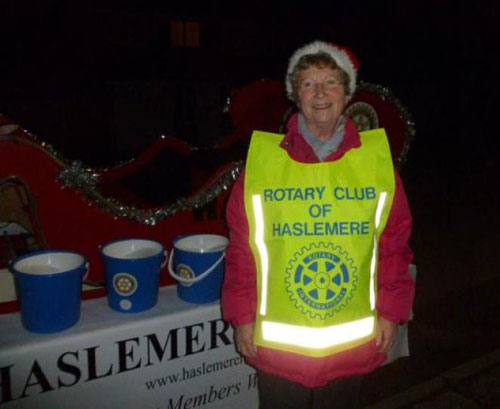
187 273
124 284
321 279
364 116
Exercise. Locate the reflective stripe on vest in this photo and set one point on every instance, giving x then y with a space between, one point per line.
314 231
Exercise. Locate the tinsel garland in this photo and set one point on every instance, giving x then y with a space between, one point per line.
86 180
402 112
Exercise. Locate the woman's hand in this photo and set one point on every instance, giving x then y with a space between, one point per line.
387 332
243 335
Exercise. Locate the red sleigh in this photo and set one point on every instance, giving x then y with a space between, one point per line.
74 207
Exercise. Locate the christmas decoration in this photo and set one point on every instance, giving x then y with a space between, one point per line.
375 106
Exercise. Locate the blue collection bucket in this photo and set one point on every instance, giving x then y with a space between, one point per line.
49 287
132 270
199 266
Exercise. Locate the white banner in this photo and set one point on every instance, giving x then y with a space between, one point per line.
175 356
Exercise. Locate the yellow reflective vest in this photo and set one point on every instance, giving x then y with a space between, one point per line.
314 231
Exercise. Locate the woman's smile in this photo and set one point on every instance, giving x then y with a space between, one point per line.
321 99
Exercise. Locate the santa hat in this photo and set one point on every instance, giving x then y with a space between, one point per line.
343 56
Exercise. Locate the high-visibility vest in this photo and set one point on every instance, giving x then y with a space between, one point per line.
314 230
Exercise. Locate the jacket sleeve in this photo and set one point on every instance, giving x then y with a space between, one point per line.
396 287
239 289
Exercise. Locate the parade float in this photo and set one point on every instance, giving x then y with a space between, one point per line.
51 201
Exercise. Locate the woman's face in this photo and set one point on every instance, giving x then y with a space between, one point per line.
321 99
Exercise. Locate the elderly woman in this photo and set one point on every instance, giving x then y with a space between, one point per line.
317 265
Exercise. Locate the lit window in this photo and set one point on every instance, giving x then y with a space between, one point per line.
184 33
177 33
192 34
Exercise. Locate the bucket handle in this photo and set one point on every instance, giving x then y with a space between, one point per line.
165 253
86 272
195 279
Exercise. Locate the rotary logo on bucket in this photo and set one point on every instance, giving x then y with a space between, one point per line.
132 270
199 266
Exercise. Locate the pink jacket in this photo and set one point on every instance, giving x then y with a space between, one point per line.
395 286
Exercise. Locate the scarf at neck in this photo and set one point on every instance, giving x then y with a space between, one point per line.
323 148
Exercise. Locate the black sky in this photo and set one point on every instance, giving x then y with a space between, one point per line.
439 57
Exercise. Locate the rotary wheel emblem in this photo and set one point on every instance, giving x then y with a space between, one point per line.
124 284
185 272
321 279
364 116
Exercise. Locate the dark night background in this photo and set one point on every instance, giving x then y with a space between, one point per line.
69 69
100 81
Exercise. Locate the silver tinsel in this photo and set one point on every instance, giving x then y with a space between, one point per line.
86 180
77 177
403 114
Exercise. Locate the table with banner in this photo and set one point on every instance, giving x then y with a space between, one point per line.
176 355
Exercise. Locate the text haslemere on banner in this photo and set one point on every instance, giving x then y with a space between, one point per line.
175 356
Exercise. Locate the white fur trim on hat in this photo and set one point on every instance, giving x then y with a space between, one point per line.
340 56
